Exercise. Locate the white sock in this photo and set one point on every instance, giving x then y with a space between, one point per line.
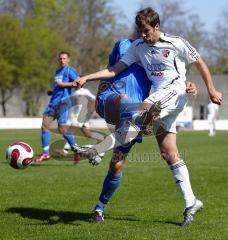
46 148
181 177
101 205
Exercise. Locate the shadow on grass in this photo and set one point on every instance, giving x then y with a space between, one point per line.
51 217
129 218
167 222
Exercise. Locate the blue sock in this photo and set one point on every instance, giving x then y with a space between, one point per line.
45 138
110 185
69 137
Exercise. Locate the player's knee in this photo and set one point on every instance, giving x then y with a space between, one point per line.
164 155
117 162
170 157
86 133
116 168
44 127
120 98
62 129
123 96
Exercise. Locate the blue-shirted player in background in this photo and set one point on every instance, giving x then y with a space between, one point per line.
59 105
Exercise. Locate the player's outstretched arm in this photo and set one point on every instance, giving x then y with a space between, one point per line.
215 96
108 72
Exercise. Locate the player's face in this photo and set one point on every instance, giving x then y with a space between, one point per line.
150 34
63 60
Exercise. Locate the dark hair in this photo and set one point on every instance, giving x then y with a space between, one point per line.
64 52
147 16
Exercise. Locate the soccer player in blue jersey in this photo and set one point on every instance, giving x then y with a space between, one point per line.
164 58
118 99
59 105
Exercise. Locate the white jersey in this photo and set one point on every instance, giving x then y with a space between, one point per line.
165 61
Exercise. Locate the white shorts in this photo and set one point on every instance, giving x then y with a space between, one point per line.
173 100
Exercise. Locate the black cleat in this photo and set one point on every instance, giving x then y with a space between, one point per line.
98 217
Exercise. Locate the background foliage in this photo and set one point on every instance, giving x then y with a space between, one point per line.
34 31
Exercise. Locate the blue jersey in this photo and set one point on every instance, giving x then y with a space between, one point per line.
133 81
66 74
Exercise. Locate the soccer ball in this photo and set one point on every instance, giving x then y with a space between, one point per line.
19 155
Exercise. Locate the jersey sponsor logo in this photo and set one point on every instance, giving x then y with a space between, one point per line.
157 74
156 70
156 67
165 53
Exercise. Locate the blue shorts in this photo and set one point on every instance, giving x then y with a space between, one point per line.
106 99
60 112
127 147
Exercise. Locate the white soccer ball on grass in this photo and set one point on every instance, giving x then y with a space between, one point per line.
19 155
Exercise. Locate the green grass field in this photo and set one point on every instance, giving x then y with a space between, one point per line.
54 200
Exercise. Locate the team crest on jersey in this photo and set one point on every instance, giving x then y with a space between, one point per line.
165 53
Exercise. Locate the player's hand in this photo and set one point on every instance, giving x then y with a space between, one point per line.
75 84
216 97
191 88
81 81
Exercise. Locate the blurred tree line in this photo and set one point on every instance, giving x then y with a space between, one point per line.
178 20
32 32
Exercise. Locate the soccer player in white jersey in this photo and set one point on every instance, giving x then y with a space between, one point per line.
164 58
